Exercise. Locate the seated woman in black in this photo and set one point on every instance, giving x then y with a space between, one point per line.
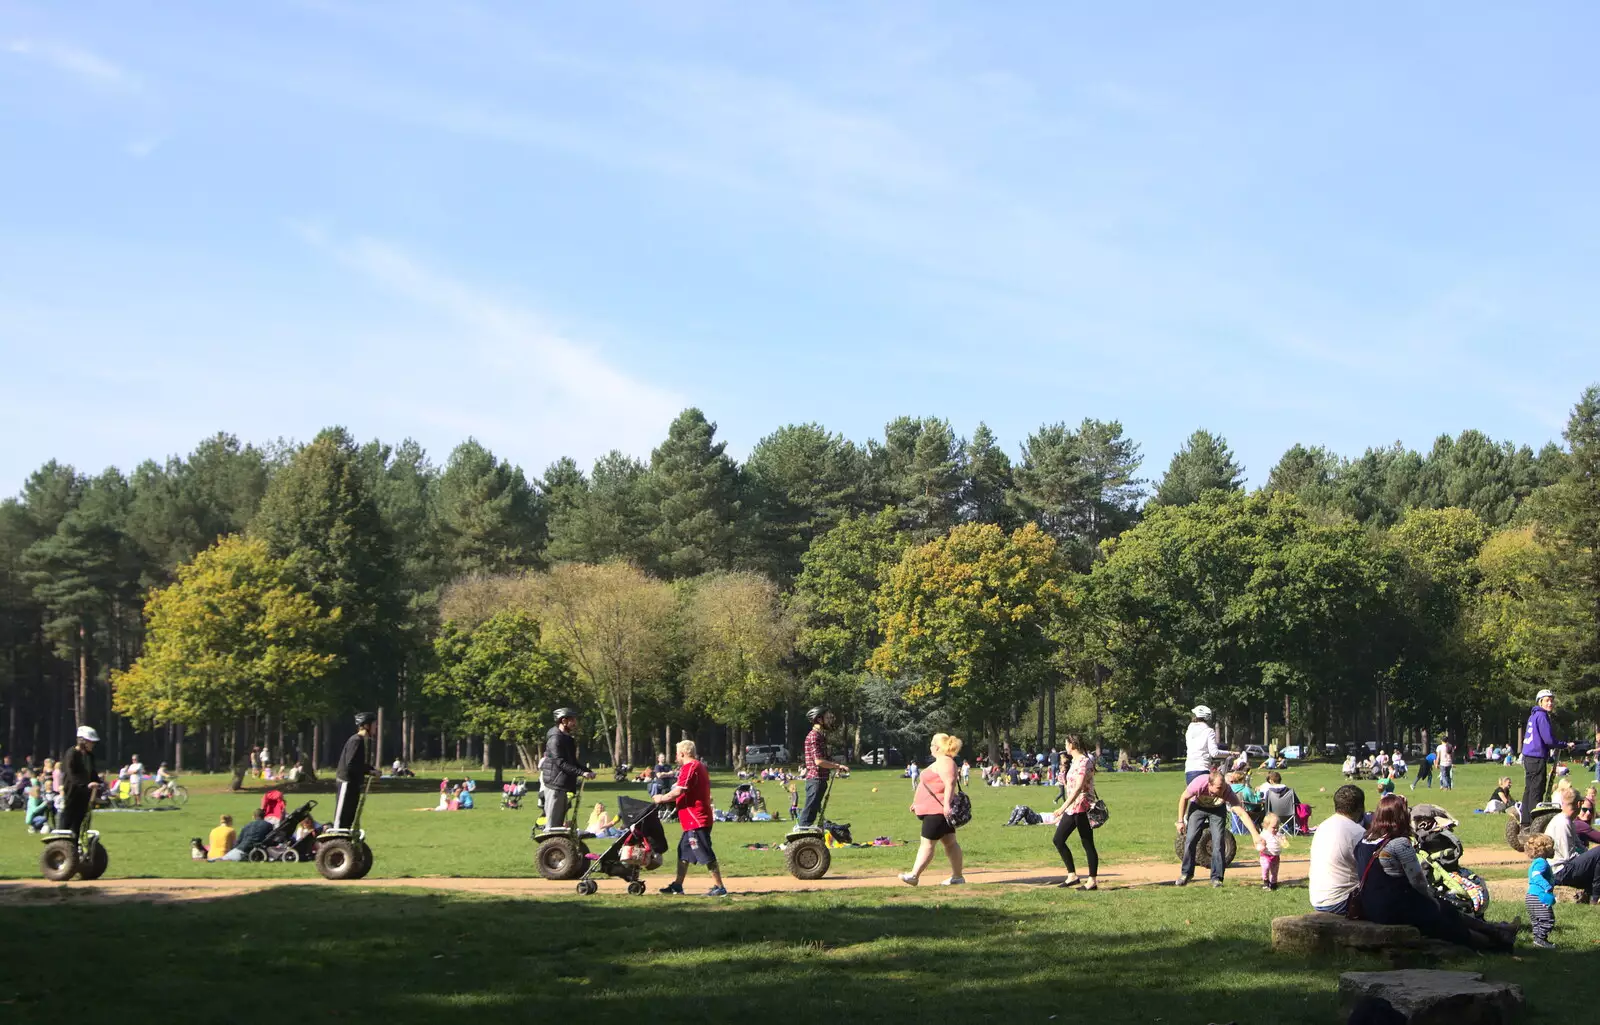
1395 891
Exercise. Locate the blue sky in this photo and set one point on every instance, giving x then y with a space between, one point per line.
553 226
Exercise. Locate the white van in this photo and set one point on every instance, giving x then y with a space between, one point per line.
766 754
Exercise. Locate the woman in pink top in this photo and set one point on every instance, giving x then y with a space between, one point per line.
1078 780
932 805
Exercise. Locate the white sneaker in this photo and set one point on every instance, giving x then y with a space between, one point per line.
955 881
908 878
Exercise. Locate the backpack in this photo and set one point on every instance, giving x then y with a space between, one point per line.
839 832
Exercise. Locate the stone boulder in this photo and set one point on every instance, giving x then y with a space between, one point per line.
1428 997
1322 933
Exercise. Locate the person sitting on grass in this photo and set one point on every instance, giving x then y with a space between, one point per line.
1396 891
1500 800
601 824
691 794
250 837
1333 851
222 837
36 814
1573 866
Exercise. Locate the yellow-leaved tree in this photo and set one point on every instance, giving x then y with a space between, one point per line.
232 636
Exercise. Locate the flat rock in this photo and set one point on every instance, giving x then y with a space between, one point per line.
1428 997
1322 933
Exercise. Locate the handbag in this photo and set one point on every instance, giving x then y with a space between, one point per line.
1352 905
960 805
1097 813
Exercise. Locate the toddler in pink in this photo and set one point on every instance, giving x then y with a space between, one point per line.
1272 842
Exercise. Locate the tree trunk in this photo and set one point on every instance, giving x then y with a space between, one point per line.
377 749
1054 734
80 704
487 742
1038 735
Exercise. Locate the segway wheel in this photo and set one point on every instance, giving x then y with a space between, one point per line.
636 888
1202 850
59 862
808 858
336 860
291 855
588 887
258 855
95 865
560 857
1514 832
363 855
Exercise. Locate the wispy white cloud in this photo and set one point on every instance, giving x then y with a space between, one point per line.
571 396
84 65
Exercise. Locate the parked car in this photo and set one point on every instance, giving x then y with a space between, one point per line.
766 754
884 758
1255 750
1293 752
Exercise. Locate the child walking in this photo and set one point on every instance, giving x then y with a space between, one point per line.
1541 889
1273 847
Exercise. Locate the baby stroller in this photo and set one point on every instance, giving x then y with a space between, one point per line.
1439 851
641 848
747 800
514 792
280 845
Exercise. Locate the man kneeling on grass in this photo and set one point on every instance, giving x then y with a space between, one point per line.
691 795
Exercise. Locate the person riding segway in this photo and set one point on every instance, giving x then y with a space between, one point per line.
560 847
72 848
805 850
1539 748
342 851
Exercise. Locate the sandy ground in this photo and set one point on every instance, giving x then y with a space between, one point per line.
1145 873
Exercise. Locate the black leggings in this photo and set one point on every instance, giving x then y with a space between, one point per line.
1064 827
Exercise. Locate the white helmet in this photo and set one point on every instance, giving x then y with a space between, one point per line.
1202 712
88 733
1544 694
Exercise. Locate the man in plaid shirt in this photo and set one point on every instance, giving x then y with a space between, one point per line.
818 766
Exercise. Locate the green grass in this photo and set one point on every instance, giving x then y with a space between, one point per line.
989 954
493 843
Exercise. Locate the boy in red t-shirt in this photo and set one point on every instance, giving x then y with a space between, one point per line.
692 796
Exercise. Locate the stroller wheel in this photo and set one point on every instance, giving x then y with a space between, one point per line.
259 854
587 887
636 888
291 855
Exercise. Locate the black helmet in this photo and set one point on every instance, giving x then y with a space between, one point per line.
816 714
565 713
362 718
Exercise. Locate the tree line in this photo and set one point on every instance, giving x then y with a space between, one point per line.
921 580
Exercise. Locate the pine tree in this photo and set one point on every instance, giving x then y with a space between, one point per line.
801 480
919 470
987 481
1573 528
1204 463
608 518
695 489
490 515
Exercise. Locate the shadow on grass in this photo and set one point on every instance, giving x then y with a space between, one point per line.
402 957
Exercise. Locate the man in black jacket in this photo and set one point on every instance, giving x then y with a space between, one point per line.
559 775
78 781
352 772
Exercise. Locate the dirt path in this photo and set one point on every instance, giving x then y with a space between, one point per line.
1141 873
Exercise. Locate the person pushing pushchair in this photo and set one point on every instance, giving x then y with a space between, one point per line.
561 771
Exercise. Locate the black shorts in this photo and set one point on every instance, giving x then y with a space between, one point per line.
694 847
935 826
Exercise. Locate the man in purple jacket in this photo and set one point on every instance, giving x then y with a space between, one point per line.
1539 745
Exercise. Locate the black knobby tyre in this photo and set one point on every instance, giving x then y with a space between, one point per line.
96 864
808 858
363 859
560 858
1202 850
336 860
59 862
1514 832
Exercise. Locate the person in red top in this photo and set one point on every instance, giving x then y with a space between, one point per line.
691 794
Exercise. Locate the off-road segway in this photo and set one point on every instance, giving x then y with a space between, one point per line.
1542 813
343 853
559 850
805 850
65 855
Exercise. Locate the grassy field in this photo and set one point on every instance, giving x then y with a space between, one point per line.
987 954
489 842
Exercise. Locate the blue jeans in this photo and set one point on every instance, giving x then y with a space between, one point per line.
1199 819
1190 776
1446 776
816 789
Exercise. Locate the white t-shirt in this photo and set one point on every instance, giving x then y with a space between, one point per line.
1559 829
136 771
1445 761
1200 743
1333 861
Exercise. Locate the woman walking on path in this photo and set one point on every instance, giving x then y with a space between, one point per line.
1078 781
932 806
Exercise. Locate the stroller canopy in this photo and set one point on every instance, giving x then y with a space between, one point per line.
641 817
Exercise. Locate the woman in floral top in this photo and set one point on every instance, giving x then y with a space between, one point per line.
1074 812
